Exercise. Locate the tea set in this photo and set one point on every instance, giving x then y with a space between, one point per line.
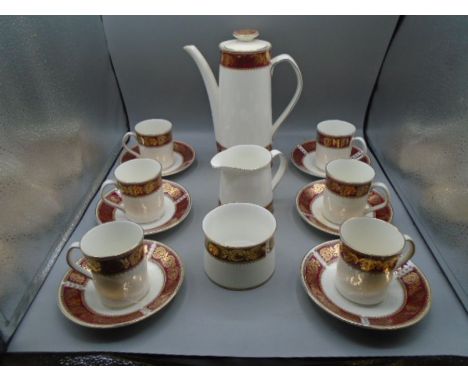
365 278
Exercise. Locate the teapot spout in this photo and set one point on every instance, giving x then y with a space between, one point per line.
208 78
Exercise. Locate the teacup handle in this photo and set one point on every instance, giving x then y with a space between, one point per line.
124 143
359 154
106 183
281 169
409 254
73 265
386 198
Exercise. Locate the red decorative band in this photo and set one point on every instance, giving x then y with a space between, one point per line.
240 255
347 190
140 189
245 60
154 140
367 263
334 142
118 264
220 147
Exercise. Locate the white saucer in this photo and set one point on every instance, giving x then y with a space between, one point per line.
407 301
184 156
316 206
309 205
178 162
177 205
169 209
309 163
79 302
303 157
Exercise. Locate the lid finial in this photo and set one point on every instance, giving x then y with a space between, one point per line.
246 34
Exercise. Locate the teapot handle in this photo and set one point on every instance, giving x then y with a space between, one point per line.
287 58
281 169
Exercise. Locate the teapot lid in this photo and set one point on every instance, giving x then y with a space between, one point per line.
245 42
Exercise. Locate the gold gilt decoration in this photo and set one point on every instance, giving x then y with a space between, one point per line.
154 141
413 281
239 255
141 189
347 190
172 191
245 60
329 253
317 188
333 142
367 263
117 264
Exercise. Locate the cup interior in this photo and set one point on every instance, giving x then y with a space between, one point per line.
372 236
336 128
239 225
111 239
138 171
350 171
151 127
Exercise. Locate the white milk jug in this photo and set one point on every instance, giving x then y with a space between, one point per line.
246 174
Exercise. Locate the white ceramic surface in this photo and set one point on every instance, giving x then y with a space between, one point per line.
239 226
184 157
378 239
338 208
407 301
107 241
336 128
152 128
80 302
241 104
246 175
317 209
140 209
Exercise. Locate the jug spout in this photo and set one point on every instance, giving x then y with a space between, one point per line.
243 158
208 78
221 161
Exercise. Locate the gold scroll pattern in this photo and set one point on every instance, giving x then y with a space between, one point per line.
121 263
154 141
329 253
141 189
172 191
168 261
367 263
347 190
239 255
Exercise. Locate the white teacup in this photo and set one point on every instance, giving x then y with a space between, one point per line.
154 137
348 184
239 245
335 140
371 250
140 184
115 255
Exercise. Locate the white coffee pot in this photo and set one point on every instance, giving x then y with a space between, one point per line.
241 103
246 174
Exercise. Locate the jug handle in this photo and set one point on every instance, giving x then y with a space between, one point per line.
287 58
281 169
